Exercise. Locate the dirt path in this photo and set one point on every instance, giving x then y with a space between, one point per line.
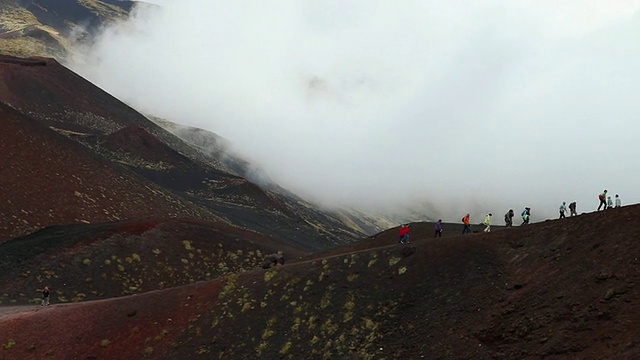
10 311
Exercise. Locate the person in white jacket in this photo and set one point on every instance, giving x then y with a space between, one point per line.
618 201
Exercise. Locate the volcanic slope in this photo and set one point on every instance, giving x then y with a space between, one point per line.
55 28
56 97
93 261
554 290
48 179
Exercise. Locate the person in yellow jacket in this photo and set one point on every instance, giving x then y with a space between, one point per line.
487 222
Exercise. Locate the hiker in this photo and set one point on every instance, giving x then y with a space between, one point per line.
618 201
508 218
563 208
467 225
404 234
609 203
45 296
526 215
487 222
572 209
438 227
603 198
272 260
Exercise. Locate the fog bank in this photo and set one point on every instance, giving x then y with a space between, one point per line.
437 107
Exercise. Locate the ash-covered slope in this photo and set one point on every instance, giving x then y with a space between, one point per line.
558 289
48 179
59 99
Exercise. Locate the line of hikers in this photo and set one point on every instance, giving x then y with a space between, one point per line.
508 217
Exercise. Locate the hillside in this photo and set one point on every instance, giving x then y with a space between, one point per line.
70 109
54 28
48 179
552 290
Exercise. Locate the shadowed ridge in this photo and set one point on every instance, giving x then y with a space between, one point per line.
22 61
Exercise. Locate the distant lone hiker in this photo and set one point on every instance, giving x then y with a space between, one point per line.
487 222
563 208
404 234
508 218
438 229
272 260
467 224
603 200
45 296
572 209
618 201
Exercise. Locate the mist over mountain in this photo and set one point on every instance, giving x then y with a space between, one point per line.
434 108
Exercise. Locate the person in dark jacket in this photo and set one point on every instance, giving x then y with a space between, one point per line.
438 229
508 218
45 296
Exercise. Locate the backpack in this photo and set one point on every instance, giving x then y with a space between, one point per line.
601 197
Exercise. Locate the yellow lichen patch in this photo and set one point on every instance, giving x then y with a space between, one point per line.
86 261
296 324
267 333
369 324
371 262
246 306
402 270
286 347
107 262
105 343
329 327
187 245
347 316
128 259
394 260
352 277
229 286
120 267
156 251
312 322
270 274
272 321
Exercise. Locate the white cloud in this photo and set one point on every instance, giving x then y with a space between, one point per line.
467 105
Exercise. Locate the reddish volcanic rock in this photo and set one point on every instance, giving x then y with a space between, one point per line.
49 179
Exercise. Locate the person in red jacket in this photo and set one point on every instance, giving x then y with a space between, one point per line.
404 234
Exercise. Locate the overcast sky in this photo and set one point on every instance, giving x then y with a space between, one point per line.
465 106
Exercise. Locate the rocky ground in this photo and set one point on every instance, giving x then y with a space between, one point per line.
553 290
